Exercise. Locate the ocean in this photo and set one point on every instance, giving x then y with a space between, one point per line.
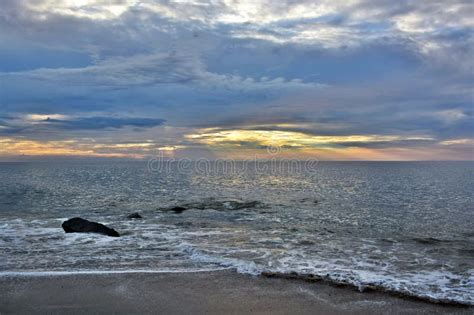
405 227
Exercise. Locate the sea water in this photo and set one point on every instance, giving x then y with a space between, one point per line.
406 227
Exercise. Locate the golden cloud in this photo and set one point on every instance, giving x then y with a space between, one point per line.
216 137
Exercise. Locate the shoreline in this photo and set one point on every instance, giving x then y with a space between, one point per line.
309 278
7 274
197 292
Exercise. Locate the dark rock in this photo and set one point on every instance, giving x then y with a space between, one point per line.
79 225
309 200
306 242
184 224
135 215
178 209
428 240
175 209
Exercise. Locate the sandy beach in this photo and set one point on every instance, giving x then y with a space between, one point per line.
220 292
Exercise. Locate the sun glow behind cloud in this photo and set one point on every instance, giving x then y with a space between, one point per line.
287 139
38 117
242 145
79 148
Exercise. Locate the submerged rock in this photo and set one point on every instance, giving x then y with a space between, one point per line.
79 225
178 209
310 200
135 215
175 209
306 242
218 205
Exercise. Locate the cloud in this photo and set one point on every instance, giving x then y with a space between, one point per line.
331 23
450 116
144 70
125 72
34 125
81 148
101 123
292 139
465 141
326 68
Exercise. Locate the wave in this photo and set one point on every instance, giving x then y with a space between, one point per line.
163 240
430 240
357 279
366 287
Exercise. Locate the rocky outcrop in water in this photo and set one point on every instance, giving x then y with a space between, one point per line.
135 215
219 205
79 225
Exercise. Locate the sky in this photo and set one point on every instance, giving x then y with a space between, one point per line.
330 79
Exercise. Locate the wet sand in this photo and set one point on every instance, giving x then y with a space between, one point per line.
220 292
